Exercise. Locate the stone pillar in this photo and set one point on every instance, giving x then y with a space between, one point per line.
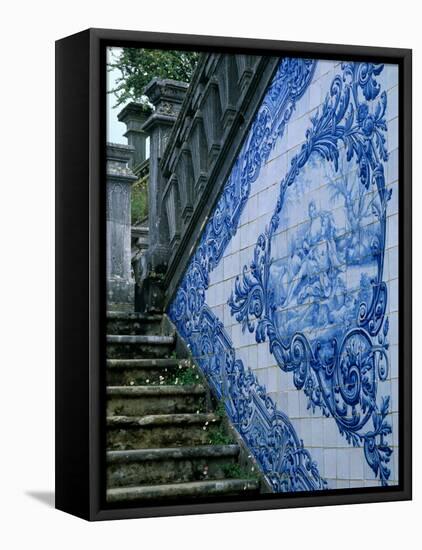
166 96
134 116
120 284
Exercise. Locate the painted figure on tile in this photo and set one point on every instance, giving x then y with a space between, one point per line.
318 260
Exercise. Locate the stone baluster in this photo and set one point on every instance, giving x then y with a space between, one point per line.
120 284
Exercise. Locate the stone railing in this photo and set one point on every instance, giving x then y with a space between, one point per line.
195 133
141 171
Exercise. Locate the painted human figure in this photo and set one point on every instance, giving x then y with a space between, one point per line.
317 274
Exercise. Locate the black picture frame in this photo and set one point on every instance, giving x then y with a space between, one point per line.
80 268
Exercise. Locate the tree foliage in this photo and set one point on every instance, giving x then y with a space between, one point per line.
138 66
139 201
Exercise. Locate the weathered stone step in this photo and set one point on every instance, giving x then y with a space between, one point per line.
133 323
177 464
129 346
151 339
132 316
121 372
147 400
198 489
160 430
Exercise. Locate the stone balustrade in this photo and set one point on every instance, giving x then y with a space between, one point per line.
215 115
195 133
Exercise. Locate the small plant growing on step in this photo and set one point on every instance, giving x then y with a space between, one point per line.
186 374
219 436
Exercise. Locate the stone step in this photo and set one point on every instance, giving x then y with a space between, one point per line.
147 400
150 339
119 322
198 489
129 346
160 430
169 465
121 372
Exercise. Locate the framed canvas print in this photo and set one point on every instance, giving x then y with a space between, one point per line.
233 274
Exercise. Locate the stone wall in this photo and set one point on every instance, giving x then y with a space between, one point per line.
290 299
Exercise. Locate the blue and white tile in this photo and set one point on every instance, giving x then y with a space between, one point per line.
333 214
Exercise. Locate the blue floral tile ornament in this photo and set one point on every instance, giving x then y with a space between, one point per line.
321 304
322 307
267 431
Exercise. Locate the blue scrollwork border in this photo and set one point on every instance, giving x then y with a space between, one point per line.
267 431
343 381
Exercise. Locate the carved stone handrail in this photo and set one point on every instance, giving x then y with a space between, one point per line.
141 171
220 103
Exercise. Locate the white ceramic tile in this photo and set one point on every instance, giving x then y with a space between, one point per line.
330 463
393 103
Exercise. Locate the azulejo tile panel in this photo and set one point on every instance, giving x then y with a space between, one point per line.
290 301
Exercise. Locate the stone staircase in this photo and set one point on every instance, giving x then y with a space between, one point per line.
166 438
